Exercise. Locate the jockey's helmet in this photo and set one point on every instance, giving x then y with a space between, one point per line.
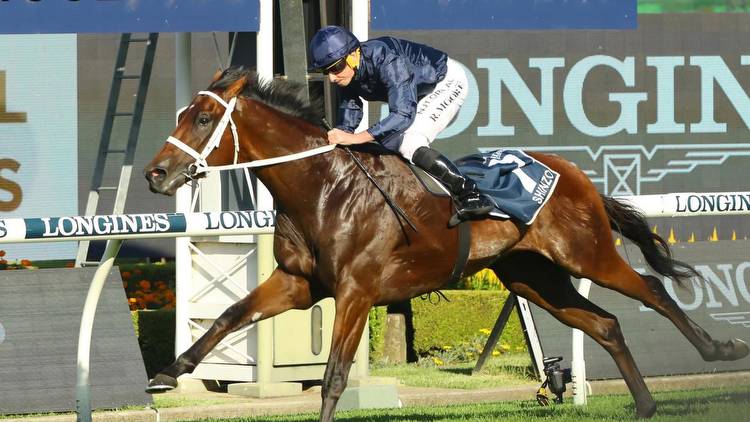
329 45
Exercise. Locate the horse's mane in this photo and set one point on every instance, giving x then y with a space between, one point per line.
281 94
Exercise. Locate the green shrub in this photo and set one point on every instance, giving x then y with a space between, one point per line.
458 323
155 331
378 317
481 280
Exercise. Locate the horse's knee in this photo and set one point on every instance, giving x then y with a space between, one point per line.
610 334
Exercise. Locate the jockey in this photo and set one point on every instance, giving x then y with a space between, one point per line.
424 89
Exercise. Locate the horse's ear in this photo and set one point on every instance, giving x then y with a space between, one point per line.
236 88
217 75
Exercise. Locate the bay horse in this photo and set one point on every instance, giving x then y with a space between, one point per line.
335 237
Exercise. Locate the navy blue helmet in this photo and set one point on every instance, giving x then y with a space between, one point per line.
329 45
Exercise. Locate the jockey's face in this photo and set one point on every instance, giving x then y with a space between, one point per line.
341 77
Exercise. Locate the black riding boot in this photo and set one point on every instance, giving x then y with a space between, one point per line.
469 201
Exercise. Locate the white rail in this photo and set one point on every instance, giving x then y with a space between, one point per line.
683 204
130 226
116 228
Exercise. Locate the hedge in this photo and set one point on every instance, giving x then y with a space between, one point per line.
460 320
436 325
155 332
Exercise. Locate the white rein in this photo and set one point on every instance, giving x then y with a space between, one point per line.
201 166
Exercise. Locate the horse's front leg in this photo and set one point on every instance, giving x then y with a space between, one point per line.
281 292
352 309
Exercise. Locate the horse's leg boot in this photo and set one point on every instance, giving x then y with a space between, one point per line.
470 203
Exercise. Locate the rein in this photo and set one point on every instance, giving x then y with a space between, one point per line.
201 166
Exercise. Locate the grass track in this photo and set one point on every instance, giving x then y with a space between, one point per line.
721 405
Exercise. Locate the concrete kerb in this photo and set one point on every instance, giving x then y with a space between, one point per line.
309 400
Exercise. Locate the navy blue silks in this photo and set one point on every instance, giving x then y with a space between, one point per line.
393 70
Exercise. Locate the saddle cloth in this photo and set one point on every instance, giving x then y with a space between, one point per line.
518 184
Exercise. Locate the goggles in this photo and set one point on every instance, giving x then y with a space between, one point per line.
337 67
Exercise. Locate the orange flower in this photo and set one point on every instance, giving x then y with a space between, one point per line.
132 300
169 296
70 264
2 252
26 262
145 284
125 275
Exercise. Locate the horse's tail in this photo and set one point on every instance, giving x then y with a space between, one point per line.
631 223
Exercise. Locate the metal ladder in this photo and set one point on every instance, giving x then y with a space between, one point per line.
105 149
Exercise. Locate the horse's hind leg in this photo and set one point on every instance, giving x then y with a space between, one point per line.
544 283
279 293
619 276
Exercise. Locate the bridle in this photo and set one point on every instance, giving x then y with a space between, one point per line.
201 165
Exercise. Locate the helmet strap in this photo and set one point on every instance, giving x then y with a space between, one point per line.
352 59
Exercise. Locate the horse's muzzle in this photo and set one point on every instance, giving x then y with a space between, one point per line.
157 181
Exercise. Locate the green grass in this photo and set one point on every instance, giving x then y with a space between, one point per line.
724 405
502 371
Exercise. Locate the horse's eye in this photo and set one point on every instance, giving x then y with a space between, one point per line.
203 120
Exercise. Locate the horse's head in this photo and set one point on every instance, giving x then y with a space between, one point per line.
205 135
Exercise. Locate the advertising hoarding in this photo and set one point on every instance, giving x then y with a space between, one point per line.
664 108
38 134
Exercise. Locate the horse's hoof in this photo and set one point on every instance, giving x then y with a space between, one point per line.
646 412
741 349
161 384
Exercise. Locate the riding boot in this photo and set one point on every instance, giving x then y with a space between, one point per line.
470 203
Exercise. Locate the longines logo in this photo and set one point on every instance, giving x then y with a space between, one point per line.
726 287
624 169
713 202
103 225
6 116
734 318
240 220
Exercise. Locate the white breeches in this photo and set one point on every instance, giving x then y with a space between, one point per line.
436 109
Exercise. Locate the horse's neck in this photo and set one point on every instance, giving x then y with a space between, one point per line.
295 185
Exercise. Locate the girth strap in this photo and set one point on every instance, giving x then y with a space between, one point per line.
464 247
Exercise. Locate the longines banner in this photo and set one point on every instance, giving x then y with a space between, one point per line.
720 304
664 108
38 134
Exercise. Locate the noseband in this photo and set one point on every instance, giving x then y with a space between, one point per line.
201 165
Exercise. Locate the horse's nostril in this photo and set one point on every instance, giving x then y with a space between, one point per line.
156 174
